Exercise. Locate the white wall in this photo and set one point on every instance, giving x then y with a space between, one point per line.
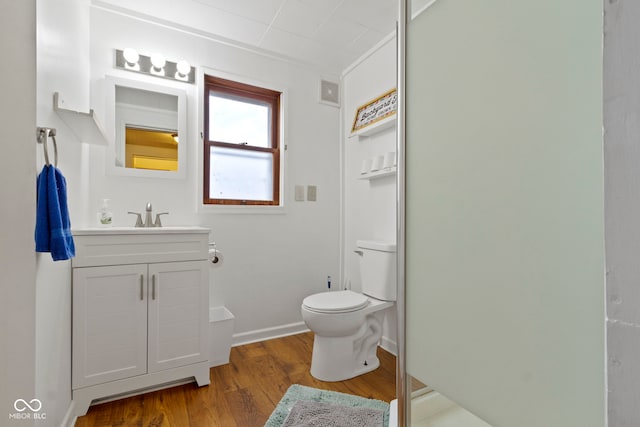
62 66
17 216
622 193
272 261
369 205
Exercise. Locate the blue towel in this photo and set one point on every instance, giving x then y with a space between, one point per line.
53 227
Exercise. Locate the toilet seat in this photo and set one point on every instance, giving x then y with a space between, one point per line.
335 302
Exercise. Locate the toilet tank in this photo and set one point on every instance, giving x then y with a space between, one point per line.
378 269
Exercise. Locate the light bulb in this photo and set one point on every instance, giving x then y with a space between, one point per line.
131 58
158 62
183 67
130 55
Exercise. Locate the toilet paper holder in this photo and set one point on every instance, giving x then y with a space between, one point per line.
215 258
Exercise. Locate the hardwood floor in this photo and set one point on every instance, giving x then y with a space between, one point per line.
242 393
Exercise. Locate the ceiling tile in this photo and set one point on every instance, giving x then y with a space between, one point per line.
224 24
337 32
262 11
378 15
301 48
365 42
286 43
300 18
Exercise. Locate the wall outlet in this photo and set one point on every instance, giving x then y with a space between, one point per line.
311 193
299 193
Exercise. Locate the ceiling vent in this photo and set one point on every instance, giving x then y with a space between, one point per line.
330 93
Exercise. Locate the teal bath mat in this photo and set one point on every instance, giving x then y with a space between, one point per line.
342 403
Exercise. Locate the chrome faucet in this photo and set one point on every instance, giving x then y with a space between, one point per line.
148 218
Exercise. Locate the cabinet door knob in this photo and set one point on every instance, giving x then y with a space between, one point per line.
141 287
153 287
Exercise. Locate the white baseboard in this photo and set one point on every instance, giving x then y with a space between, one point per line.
269 333
70 418
292 329
389 345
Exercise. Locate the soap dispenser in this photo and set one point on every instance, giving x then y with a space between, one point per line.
105 216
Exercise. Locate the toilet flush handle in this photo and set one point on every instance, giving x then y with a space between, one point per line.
359 252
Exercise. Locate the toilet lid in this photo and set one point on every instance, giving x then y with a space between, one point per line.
335 302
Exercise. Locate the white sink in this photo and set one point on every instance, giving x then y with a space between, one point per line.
139 230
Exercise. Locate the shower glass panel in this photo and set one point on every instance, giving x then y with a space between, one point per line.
501 223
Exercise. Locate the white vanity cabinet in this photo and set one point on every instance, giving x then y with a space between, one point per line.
140 310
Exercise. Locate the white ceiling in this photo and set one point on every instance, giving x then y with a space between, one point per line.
330 33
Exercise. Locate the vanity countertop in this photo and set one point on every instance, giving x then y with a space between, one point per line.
87 231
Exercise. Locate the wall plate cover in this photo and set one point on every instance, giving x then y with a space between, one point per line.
312 193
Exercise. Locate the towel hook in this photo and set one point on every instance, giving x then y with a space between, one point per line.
42 135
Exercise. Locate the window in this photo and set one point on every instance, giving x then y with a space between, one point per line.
241 144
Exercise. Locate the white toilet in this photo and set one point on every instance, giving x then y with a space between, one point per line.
347 324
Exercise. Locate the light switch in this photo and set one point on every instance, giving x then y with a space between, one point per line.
299 196
311 193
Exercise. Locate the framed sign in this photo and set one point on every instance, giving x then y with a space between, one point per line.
382 107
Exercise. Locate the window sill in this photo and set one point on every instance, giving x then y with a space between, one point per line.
241 210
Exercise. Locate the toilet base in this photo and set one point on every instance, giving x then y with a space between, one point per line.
340 365
342 358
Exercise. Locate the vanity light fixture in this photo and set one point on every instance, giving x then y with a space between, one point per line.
154 65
